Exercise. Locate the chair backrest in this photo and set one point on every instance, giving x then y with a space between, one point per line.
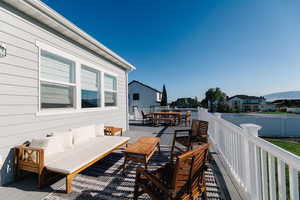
143 114
199 128
189 170
188 115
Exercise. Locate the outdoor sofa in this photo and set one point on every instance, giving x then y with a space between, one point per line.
66 153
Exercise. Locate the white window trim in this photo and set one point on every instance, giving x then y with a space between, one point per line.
77 96
114 91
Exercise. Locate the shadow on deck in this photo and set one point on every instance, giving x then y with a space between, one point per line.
105 178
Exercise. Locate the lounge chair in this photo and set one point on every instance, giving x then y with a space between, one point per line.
67 153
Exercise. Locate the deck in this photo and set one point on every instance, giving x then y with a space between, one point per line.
26 189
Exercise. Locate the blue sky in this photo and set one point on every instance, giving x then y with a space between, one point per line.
243 47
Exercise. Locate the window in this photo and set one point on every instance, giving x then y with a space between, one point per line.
110 90
57 81
136 96
90 87
68 84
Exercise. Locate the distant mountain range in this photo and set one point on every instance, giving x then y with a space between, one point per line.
283 95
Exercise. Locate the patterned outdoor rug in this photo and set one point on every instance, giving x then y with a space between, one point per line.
106 180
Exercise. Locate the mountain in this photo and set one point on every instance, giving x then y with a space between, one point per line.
283 95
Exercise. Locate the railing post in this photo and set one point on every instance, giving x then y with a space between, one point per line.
216 135
251 165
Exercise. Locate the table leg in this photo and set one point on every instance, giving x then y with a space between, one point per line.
125 160
145 162
158 146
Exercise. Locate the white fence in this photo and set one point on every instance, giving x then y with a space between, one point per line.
272 124
261 169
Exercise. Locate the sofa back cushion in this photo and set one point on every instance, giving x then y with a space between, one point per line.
51 145
99 130
66 138
83 134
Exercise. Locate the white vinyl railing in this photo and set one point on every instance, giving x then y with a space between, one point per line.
261 169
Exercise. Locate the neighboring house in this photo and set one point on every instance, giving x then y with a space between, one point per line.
142 96
268 107
245 103
53 77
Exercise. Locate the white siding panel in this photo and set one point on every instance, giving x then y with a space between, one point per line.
17 100
11 60
18 71
17 110
19 84
17 80
17 41
19 90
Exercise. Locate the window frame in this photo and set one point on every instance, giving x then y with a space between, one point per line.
77 82
113 91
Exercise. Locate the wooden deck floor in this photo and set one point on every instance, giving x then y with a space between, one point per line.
26 189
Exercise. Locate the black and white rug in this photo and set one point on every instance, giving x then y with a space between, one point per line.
106 180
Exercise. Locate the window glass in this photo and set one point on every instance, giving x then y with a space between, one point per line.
110 90
56 96
56 68
136 96
110 99
57 78
90 88
110 83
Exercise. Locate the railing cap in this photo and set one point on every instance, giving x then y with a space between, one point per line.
251 129
251 126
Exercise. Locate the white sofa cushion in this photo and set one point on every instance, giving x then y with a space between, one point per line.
84 153
83 134
51 145
66 138
99 130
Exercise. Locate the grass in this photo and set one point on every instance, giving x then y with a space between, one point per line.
289 146
293 148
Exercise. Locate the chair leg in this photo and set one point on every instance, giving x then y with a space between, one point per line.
69 180
41 178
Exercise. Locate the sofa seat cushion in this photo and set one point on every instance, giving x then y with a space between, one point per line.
84 153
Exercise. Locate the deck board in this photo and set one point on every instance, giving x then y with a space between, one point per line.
26 189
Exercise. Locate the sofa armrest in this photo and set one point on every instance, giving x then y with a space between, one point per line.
112 131
30 159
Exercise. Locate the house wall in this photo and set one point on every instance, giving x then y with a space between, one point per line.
148 97
19 121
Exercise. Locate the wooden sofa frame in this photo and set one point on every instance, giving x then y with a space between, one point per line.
32 160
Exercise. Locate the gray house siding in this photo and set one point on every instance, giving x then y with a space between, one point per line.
19 86
148 97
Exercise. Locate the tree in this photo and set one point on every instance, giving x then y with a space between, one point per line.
215 99
164 97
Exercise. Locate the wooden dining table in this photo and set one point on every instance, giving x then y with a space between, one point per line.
172 117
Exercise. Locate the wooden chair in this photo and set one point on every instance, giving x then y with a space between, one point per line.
182 180
187 118
146 117
197 135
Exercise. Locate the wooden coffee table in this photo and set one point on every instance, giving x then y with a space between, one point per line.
142 150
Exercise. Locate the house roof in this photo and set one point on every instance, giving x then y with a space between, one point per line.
44 14
245 97
134 81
